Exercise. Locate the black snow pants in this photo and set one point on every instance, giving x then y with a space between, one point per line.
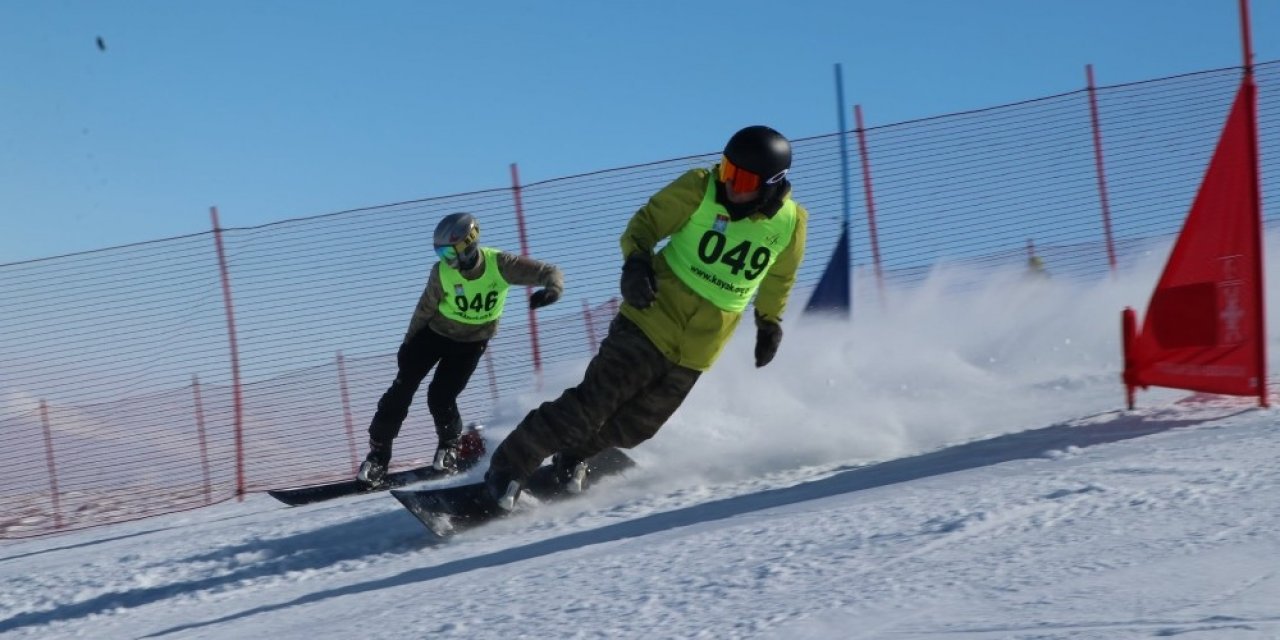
417 355
629 391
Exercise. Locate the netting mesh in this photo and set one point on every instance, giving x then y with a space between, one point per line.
115 372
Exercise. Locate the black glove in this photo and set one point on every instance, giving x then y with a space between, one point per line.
543 297
768 337
639 284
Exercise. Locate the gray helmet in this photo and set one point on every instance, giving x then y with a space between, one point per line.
457 240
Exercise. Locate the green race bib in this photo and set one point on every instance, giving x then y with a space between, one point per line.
476 301
722 260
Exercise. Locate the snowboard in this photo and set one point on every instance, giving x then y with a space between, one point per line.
448 510
472 449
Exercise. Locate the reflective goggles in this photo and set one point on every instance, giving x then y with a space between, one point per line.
742 181
450 252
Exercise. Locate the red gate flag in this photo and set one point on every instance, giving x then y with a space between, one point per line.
1204 326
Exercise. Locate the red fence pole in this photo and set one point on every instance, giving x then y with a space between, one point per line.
1246 40
1101 168
493 380
204 448
524 251
871 200
1128 338
591 330
237 400
346 414
53 469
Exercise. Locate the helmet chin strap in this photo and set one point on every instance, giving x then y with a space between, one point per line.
742 210
466 265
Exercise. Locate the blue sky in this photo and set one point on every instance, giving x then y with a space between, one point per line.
273 110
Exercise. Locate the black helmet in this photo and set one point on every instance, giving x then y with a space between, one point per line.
457 240
759 150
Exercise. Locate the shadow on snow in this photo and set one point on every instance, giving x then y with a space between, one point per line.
400 532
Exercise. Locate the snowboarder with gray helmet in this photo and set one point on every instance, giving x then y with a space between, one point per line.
456 316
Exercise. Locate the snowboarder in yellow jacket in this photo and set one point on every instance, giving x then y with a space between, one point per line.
734 233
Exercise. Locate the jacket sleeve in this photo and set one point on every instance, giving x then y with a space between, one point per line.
776 287
523 270
665 212
428 303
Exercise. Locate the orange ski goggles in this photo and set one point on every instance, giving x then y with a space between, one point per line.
742 181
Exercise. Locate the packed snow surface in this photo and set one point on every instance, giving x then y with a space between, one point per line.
957 464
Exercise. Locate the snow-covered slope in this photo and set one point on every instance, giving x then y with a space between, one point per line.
956 468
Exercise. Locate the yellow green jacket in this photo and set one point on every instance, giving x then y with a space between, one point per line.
689 330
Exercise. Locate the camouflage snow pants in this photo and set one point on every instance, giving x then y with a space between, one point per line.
627 394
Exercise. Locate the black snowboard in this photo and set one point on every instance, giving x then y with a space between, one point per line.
448 510
471 451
